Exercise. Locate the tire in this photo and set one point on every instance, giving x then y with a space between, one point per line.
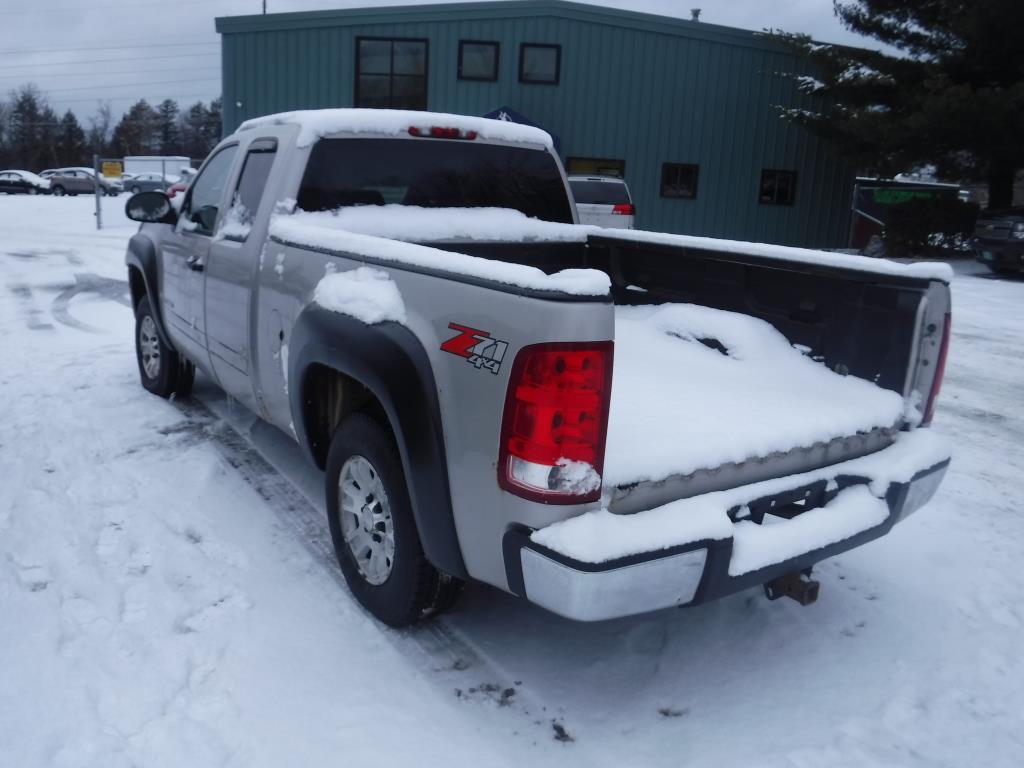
135 190
162 370
58 190
33 191
404 588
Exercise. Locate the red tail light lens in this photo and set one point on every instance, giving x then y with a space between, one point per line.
556 414
940 370
626 209
441 132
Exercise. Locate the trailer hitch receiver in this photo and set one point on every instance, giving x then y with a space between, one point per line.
797 585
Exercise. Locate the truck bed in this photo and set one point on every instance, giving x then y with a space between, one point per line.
705 399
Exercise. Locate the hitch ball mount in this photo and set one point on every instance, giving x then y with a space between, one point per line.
797 585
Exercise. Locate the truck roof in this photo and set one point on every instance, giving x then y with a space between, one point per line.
316 123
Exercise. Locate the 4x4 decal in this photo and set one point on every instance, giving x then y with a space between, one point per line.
477 347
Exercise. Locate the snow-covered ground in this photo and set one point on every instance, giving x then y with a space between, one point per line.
168 595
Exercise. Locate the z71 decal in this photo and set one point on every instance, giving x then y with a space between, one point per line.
477 347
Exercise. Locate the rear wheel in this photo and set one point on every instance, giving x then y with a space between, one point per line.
135 190
163 371
373 529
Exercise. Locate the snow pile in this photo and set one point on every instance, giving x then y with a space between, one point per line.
694 388
317 123
599 536
423 225
237 222
364 293
923 269
322 230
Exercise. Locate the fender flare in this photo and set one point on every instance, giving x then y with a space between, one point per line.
389 360
142 256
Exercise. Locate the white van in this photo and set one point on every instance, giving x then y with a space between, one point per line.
603 201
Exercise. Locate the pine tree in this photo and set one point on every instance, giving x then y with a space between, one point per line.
168 130
71 148
194 130
23 127
99 130
137 131
46 148
952 96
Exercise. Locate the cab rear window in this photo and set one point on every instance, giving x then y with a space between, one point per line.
599 192
432 173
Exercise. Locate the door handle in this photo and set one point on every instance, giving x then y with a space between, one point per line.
194 263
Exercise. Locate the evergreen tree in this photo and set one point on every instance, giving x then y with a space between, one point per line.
71 147
46 147
23 127
137 132
194 130
99 130
953 95
168 130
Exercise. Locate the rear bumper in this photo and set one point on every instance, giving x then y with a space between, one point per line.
698 571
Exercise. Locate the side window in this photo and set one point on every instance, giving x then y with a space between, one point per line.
249 192
777 187
207 191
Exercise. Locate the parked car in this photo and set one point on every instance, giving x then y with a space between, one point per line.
147 182
23 182
73 181
603 201
451 373
999 240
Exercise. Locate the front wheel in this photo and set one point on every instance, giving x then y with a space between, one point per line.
373 529
163 371
58 191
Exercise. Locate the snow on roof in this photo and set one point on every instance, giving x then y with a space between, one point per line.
317 123
323 230
923 269
425 225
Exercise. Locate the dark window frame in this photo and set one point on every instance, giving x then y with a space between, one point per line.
497 61
775 192
558 63
595 160
391 69
675 167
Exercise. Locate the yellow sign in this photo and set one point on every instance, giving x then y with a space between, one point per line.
112 169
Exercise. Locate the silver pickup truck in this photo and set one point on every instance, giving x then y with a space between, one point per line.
603 422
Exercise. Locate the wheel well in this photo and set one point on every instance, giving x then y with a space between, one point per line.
137 285
328 396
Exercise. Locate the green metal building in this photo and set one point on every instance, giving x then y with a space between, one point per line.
686 112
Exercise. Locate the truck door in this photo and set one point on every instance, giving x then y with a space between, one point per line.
231 274
187 248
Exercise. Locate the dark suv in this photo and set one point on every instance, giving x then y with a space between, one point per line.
999 240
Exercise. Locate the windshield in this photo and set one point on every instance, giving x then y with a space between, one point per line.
599 192
433 174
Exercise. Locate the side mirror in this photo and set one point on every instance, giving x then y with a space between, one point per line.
150 207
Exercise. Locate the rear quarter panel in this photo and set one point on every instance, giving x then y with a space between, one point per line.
471 399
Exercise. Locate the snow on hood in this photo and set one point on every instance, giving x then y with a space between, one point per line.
323 230
426 225
316 123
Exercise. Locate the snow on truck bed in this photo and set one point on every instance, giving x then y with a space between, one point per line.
695 388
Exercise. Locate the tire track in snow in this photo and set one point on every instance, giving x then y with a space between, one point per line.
439 647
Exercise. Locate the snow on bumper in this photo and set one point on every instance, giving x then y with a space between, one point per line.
601 565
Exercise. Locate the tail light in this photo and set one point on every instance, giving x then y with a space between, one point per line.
556 422
940 370
440 132
626 209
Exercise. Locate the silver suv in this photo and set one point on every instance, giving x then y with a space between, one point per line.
72 181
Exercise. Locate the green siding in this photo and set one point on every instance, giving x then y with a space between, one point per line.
641 88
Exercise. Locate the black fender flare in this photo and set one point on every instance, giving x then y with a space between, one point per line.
142 256
389 360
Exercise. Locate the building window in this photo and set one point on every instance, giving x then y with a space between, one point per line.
595 166
391 73
679 180
539 63
778 187
478 60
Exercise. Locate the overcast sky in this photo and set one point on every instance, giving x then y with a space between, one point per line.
81 52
